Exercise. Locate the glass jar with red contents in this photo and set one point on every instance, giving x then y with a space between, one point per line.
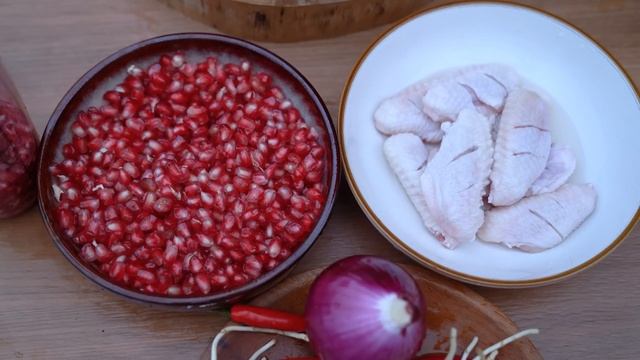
18 147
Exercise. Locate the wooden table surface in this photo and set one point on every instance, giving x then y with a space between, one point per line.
48 310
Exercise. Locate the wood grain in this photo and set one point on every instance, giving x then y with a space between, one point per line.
449 304
294 20
49 311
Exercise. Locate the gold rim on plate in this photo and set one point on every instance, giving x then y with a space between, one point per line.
395 240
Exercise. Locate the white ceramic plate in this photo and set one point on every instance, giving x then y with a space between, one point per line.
597 115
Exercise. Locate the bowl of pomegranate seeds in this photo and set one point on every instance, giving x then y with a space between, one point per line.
189 169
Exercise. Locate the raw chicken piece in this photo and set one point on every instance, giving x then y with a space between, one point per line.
455 179
560 166
482 86
402 113
522 147
485 89
433 150
444 101
540 222
407 156
503 74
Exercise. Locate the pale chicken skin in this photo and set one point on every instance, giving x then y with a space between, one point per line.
444 101
560 166
454 181
540 222
419 108
483 87
407 156
522 147
473 151
402 113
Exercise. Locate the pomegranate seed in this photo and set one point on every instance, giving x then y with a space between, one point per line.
284 193
254 195
204 240
253 267
174 290
88 253
202 281
123 196
90 203
154 240
117 270
163 205
194 177
145 276
102 253
115 226
147 223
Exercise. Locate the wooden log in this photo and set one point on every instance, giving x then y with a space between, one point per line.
294 20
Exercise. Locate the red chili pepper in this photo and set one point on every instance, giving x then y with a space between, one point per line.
267 318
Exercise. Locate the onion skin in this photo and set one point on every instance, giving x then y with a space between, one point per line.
344 318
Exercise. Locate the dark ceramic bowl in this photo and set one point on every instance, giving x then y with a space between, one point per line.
105 75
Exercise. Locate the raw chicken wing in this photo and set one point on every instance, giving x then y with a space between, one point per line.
402 113
560 166
484 87
455 179
407 156
540 222
522 147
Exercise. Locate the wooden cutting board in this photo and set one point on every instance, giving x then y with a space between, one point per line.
293 20
448 304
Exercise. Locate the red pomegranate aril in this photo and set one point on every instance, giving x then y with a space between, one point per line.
192 263
202 281
148 223
227 172
253 267
174 290
102 253
298 202
248 246
123 196
146 276
284 193
112 97
170 253
142 253
205 241
154 240
88 253
236 255
227 242
118 249
275 248
314 177
254 195
117 270
66 219
163 205
293 228
80 144
90 203
114 226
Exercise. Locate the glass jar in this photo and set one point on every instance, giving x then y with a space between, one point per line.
18 147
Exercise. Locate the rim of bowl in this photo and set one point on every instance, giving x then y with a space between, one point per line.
401 245
234 293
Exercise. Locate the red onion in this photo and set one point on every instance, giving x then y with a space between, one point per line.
365 307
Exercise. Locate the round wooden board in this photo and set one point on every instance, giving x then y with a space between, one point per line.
448 304
294 20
